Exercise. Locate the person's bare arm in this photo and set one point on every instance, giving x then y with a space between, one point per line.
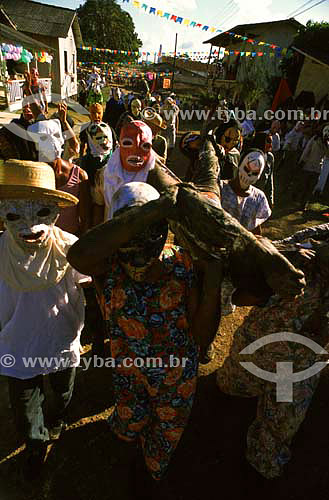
89 254
68 132
85 203
83 149
204 307
45 100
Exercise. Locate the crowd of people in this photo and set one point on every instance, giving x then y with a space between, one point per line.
92 211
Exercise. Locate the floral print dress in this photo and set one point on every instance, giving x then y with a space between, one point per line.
147 324
270 435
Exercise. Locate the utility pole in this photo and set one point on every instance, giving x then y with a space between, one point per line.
175 57
208 65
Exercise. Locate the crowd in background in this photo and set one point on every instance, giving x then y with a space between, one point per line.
147 291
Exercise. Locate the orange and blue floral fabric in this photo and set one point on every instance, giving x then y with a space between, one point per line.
148 320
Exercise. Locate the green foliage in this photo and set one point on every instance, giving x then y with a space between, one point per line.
208 98
313 36
105 25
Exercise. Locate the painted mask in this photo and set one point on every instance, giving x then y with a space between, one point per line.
143 251
101 138
136 107
135 146
29 221
230 139
325 135
251 168
48 138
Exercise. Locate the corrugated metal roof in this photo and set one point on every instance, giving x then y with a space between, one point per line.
40 19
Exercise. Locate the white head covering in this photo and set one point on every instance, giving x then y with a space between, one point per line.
133 194
115 176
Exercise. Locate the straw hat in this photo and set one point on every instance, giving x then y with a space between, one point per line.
150 116
30 180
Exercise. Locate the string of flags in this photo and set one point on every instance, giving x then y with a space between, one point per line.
278 53
193 24
144 53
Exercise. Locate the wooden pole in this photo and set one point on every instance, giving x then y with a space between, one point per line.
215 72
175 57
210 52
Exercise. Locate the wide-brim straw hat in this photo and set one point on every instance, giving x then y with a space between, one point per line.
150 116
30 180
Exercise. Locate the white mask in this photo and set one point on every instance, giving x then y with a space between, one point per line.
48 138
251 169
29 222
101 141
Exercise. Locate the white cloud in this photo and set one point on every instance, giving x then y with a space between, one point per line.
186 45
252 12
177 5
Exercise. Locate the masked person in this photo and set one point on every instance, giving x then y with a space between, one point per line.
49 141
114 108
157 125
132 161
41 305
225 139
149 300
246 203
133 114
270 435
98 142
239 196
263 141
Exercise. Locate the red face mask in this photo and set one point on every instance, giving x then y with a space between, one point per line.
135 146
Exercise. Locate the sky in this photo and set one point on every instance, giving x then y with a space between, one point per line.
222 14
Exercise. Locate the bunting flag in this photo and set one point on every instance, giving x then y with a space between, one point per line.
193 24
200 56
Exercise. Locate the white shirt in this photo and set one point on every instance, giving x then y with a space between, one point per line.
45 323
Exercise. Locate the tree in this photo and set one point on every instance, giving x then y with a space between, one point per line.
314 36
105 25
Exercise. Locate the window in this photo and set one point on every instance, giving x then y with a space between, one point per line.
65 62
73 63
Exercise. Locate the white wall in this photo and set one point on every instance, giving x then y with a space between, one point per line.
68 81
314 77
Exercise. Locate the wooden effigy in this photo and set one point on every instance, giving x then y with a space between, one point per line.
201 225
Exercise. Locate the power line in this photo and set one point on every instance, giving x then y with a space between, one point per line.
302 12
228 18
223 12
298 8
